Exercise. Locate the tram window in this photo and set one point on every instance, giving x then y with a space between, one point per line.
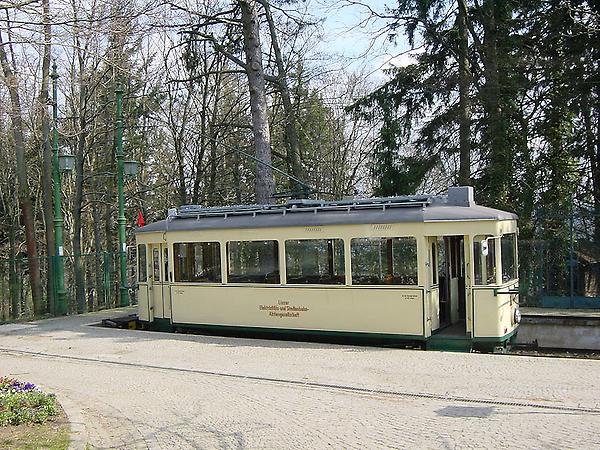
166 262
434 267
315 261
142 267
156 263
384 261
485 265
442 261
198 262
253 262
508 245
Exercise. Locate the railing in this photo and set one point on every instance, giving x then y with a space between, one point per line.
91 284
560 265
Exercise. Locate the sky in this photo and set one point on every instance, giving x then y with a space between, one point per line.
350 31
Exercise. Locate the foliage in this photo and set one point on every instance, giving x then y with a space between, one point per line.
534 104
22 403
417 106
531 109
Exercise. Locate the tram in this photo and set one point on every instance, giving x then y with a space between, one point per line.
437 271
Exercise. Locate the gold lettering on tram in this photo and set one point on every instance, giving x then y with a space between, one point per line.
282 309
313 229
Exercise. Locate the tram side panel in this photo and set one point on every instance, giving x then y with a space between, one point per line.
434 308
143 303
372 310
494 313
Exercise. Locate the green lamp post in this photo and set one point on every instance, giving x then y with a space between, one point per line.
59 163
124 285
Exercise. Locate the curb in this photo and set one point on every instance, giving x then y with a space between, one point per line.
77 433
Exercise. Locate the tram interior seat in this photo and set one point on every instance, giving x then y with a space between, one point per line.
209 275
316 279
402 280
269 278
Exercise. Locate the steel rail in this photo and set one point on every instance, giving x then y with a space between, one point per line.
316 385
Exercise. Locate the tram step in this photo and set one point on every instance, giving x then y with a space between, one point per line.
449 344
130 322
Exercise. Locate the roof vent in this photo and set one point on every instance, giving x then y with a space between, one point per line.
461 196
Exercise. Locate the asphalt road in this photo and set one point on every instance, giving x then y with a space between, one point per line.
137 389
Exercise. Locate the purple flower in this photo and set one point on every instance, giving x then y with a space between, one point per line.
23 387
17 386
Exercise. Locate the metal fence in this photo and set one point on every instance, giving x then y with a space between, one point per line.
560 265
91 284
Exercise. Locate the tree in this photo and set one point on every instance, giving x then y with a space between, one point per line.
44 101
424 105
265 184
16 117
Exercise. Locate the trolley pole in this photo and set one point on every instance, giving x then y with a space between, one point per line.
59 272
123 285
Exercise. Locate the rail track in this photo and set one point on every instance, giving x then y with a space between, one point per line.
357 390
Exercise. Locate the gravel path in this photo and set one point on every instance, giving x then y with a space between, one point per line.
137 389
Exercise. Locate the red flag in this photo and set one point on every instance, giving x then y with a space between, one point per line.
140 220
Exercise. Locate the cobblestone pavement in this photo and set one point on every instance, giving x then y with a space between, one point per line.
137 389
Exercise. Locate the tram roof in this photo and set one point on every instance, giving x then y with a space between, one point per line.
458 205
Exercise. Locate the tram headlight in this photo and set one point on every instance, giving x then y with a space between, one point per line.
517 316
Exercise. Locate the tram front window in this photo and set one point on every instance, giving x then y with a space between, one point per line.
485 264
508 250
384 261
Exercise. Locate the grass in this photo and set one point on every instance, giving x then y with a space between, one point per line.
30 418
52 435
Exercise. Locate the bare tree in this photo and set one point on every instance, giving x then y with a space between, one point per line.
291 132
44 101
265 184
24 194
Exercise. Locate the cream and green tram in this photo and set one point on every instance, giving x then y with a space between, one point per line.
439 271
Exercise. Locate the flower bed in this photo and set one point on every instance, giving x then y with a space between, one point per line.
23 403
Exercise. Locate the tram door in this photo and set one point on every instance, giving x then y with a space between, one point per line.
451 276
158 286
142 275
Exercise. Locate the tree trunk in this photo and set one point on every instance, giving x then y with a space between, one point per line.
78 200
464 82
264 183
24 196
96 220
181 191
499 163
204 126
212 191
237 177
80 125
15 303
291 134
213 134
47 158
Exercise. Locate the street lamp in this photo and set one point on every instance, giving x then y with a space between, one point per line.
66 163
124 168
130 168
60 307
